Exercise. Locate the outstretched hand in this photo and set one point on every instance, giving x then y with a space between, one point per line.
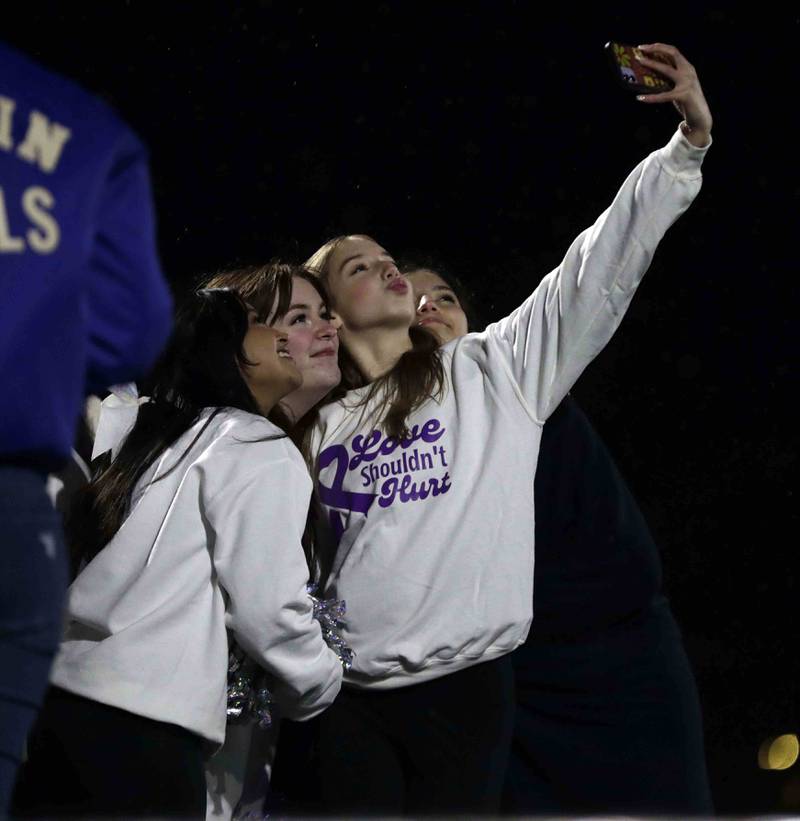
687 95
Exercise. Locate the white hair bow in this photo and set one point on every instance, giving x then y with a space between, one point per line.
118 414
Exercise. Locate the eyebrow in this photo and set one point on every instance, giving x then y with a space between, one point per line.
349 259
323 307
359 256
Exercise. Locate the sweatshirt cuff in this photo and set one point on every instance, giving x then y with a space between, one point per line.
682 159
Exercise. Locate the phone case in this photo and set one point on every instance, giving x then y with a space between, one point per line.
631 73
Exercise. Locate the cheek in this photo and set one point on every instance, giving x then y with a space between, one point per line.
300 341
458 321
356 297
252 348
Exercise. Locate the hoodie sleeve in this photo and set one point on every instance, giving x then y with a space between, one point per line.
129 303
257 522
547 342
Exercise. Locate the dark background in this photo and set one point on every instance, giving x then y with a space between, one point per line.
491 134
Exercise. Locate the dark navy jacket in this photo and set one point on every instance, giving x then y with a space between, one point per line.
596 561
83 304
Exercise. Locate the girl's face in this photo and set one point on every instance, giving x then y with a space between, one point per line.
313 342
366 288
438 308
273 373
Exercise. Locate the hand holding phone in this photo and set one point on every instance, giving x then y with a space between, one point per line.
631 73
672 79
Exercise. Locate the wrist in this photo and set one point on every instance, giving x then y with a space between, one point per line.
699 137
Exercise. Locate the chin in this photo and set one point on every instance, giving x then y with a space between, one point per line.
404 311
324 382
437 333
325 370
292 378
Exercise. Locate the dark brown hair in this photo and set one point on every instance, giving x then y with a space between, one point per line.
264 286
200 368
268 288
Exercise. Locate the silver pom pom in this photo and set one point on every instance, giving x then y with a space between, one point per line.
330 615
248 694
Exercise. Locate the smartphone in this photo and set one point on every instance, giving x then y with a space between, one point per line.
632 74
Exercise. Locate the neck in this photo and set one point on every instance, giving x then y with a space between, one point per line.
376 352
265 399
298 403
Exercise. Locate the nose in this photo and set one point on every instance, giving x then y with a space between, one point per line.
391 271
329 328
426 305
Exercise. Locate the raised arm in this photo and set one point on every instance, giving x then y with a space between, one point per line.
548 341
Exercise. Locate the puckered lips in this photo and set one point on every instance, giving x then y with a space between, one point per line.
398 285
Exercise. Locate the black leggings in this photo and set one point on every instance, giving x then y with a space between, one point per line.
89 759
436 747
609 723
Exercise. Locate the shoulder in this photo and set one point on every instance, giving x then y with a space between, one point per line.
36 83
354 412
332 414
267 441
466 354
231 428
242 446
234 419
470 345
95 131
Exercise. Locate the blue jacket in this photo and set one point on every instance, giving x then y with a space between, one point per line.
84 304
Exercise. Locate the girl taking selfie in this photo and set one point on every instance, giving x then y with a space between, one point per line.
425 471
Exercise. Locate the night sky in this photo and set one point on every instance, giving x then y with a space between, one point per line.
490 135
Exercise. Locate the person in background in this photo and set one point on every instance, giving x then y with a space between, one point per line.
84 306
607 712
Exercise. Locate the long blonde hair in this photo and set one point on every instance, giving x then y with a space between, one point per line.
417 375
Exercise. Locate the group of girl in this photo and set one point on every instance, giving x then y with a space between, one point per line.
422 441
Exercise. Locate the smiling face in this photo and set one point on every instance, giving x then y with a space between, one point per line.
438 308
313 343
272 373
367 290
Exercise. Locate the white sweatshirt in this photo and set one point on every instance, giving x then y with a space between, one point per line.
213 545
435 559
